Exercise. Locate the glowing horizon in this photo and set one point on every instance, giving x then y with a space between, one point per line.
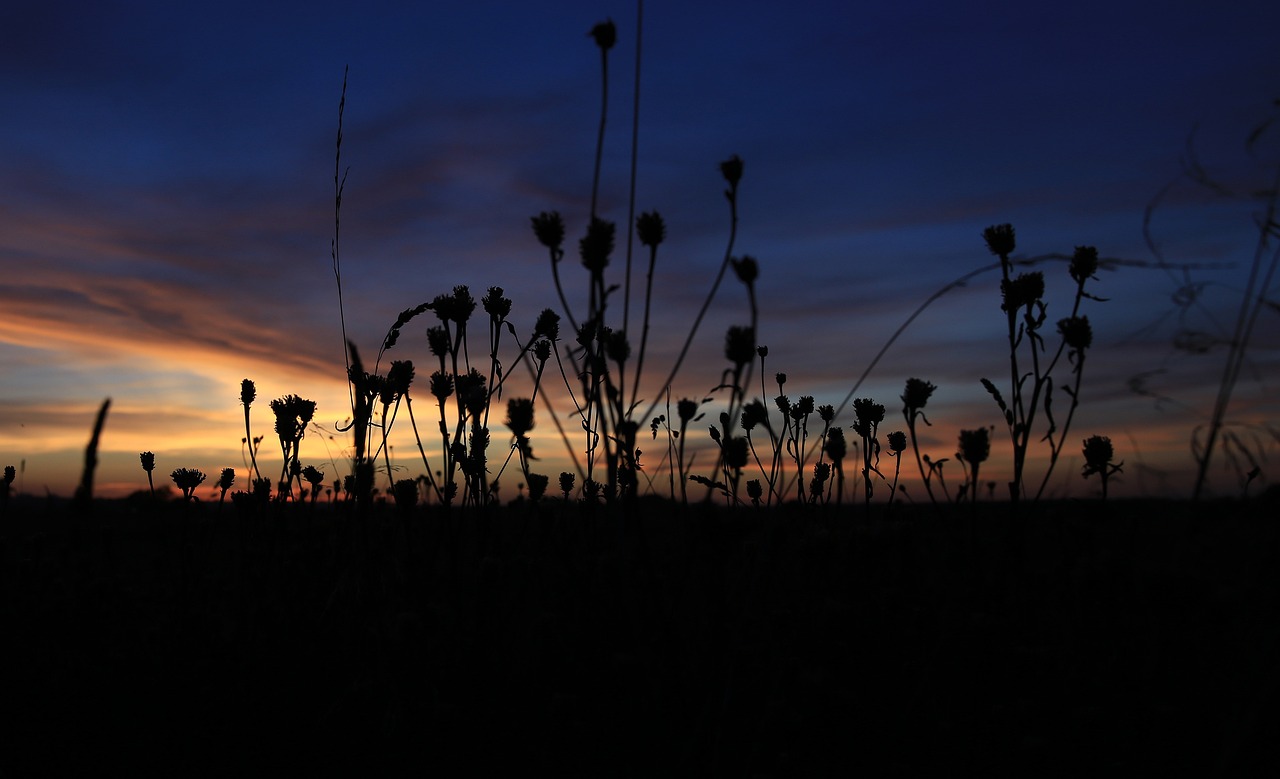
178 242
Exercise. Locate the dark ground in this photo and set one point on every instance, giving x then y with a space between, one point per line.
1076 639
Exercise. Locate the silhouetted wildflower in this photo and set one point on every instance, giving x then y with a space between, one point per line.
399 376
605 34
548 325
586 335
736 452
747 269
566 483
754 413
313 476
187 480
975 445
520 416
293 414
1076 332
651 229
542 350
495 305
897 441
616 347
454 307
762 352
781 378
740 345
731 169
596 247
537 485
835 446
471 390
148 461
916 395
821 472
1097 459
1022 291
754 491
549 228
226 479
1084 264
248 392
441 385
463 304
405 492
1000 240
868 413
686 409
805 404
438 340
827 413
1097 454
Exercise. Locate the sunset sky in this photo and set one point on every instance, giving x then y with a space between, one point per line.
166 204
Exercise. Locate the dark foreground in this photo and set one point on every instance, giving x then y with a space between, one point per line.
1079 639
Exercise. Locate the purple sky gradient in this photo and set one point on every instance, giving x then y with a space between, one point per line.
166 199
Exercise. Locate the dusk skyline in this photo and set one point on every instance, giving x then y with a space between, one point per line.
167 202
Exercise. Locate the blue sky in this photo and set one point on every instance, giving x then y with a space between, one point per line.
166 197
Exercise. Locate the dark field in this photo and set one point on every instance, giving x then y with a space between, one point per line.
1076 639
